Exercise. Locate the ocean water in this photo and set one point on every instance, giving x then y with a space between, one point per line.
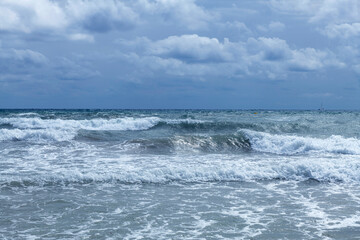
179 174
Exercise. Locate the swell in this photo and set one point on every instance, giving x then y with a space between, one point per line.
126 123
243 140
206 126
218 143
235 143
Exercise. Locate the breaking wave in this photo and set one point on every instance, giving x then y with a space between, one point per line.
177 135
321 170
289 145
37 129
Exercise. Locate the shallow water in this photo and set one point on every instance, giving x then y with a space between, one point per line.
179 174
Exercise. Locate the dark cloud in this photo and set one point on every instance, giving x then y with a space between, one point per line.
171 46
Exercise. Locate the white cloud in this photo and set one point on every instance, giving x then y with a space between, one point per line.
192 48
344 30
81 37
272 27
276 52
182 12
74 19
28 16
269 49
276 26
69 18
329 11
309 59
235 27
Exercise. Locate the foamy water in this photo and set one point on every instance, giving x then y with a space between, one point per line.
179 174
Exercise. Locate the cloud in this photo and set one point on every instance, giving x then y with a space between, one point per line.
192 48
17 65
272 27
269 49
29 16
101 16
356 68
310 59
81 37
67 69
29 56
185 13
329 11
344 30
71 19
74 17
200 57
21 57
276 26
277 53
235 28
25 64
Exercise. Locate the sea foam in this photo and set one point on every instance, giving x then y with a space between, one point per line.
187 169
292 144
37 129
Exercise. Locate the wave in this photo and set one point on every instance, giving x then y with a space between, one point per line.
242 141
290 145
27 114
235 143
130 123
37 129
189 135
92 124
190 125
36 135
211 170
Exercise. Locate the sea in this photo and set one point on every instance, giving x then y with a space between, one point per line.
179 174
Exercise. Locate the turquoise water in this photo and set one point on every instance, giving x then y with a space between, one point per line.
179 174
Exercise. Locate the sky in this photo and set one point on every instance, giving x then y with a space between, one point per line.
202 54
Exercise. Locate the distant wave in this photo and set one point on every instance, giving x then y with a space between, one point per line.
92 124
27 114
130 123
193 125
37 129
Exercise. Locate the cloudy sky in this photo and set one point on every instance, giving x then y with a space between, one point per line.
242 54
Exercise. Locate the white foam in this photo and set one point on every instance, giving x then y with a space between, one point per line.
187 120
83 166
92 124
26 114
37 129
38 135
290 144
